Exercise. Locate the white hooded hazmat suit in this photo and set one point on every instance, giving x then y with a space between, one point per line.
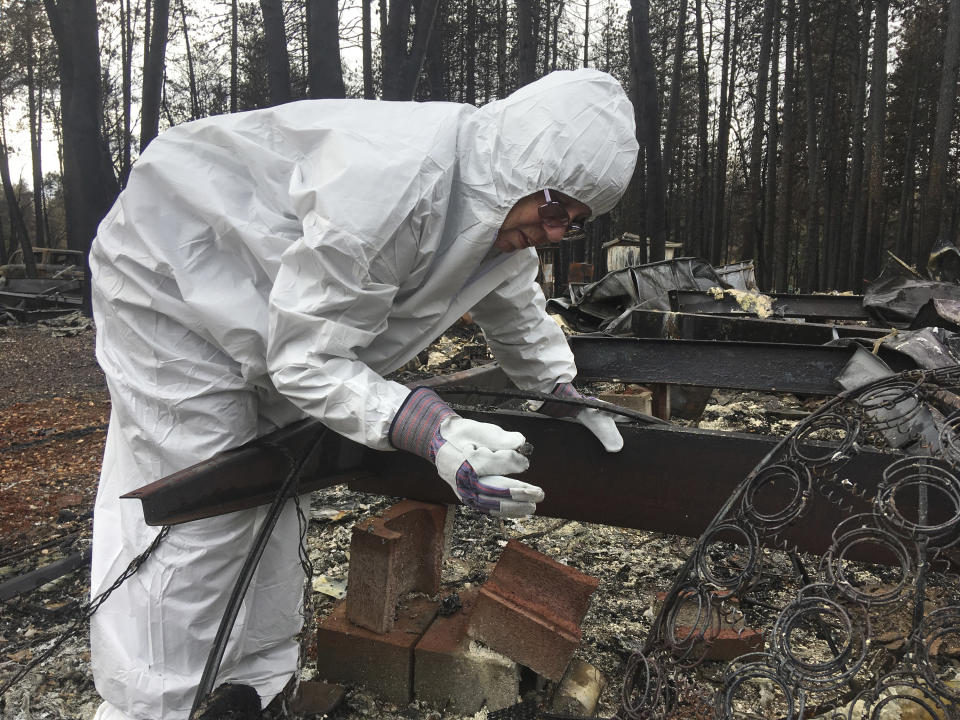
268 265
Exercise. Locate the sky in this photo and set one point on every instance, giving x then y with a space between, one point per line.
19 140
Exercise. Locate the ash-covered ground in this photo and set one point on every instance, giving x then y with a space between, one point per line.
53 408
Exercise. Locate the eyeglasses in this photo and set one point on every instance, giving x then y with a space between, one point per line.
554 215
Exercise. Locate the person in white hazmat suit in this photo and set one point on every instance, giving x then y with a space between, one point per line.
270 265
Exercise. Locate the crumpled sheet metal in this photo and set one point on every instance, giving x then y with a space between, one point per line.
607 303
895 301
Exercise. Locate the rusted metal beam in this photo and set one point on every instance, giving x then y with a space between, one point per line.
769 367
249 475
692 326
813 307
665 479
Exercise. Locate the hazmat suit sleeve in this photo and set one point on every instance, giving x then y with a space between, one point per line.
326 306
526 341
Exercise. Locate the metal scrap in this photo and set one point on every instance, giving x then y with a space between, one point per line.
823 651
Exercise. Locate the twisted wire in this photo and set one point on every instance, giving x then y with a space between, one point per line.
645 690
950 439
747 671
850 536
87 611
935 485
687 643
815 613
888 696
939 628
757 513
820 641
891 404
816 445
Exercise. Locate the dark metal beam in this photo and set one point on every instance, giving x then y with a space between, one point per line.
692 326
37 301
249 475
41 576
822 307
769 367
665 479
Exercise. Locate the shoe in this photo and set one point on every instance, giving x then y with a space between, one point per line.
279 707
230 702
308 700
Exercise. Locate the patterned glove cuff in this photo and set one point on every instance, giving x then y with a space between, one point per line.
417 422
560 410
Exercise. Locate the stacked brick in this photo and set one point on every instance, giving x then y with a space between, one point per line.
388 634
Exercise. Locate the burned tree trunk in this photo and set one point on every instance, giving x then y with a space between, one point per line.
33 115
323 50
367 42
728 71
401 67
153 63
810 255
753 231
195 112
17 224
526 43
278 60
765 247
89 184
673 109
784 198
834 148
234 53
648 128
935 217
438 61
501 47
702 211
126 60
854 262
908 184
874 162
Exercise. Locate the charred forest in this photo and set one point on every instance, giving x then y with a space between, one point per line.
818 138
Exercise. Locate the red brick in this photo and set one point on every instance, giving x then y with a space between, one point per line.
399 552
453 674
380 662
316 698
531 608
727 638
726 643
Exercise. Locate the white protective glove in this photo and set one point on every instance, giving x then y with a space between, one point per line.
472 457
601 424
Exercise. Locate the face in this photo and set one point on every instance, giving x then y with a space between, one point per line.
523 226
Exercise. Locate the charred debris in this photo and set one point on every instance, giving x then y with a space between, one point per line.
778 537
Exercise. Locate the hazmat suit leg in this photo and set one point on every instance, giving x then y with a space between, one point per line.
177 400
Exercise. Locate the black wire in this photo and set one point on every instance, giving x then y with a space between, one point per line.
90 609
249 565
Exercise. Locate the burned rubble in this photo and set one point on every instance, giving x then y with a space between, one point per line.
746 620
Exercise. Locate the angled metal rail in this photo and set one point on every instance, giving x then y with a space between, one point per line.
812 307
666 479
694 326
768 367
